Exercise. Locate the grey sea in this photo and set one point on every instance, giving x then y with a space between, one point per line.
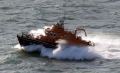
100 19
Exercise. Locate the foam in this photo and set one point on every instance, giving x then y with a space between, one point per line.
63 52
105 47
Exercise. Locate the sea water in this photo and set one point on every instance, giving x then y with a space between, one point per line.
100 19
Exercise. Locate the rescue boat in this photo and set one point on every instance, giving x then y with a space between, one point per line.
52 35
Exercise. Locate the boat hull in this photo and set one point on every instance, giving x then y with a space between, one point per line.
24 41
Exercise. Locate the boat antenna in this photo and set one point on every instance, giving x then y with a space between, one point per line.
61 20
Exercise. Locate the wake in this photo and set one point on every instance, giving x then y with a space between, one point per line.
63 52
105 47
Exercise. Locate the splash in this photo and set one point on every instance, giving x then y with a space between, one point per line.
104 48
107 46
63 52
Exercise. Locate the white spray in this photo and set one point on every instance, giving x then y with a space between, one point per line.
104 48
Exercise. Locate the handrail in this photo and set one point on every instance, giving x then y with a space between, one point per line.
77 29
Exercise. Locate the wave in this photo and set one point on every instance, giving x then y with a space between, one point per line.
63 52
105 47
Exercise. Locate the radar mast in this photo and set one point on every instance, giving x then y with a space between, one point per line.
61 21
